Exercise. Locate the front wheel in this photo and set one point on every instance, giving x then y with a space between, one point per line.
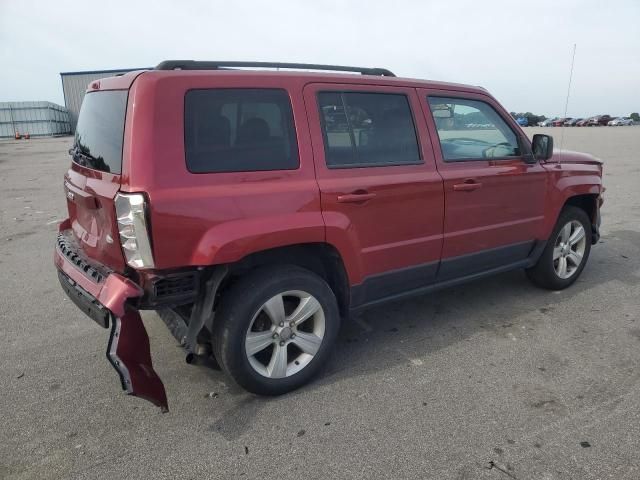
274 329
566 253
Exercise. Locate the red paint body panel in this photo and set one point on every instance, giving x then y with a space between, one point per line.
416 216
401 226
203 219
113 292
121 82
411 215
128 349
130 354
569 174
207 218
506 208
494 215
90 203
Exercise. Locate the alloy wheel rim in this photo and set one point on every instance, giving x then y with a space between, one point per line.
569 248
285 334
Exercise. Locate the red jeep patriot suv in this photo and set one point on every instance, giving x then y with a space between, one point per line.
256 208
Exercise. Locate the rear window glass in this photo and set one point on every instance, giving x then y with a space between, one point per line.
100 131
239 130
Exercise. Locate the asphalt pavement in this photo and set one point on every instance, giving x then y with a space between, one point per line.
491 380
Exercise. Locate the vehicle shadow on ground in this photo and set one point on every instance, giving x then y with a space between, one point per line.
412 329
409 331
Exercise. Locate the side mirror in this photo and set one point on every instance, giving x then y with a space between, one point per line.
441 111
542 146
526 152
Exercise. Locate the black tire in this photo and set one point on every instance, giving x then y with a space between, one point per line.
543 273
243 300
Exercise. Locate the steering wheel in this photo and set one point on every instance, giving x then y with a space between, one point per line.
469 140
486 151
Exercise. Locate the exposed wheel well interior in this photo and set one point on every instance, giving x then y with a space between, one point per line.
586 202
320 258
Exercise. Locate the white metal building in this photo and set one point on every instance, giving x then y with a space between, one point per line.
74 86
33 118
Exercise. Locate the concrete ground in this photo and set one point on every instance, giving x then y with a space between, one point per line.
491 380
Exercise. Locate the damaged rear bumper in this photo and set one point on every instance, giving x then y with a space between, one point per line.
105 297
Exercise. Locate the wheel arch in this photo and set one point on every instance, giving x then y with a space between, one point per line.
585 196
585 201
321 258
590 204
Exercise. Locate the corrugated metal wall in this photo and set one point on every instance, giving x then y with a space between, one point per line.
34 118
74 86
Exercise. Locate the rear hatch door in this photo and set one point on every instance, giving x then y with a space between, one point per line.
95 175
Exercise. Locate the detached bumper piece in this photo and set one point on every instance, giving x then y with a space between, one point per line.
105 299
130 355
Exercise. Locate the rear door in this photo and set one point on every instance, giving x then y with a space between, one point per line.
381 195
494 200
94 177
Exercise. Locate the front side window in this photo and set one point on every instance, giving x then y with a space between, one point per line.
471 130
239 130
367 129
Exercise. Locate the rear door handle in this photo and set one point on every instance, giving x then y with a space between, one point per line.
467 186
355 197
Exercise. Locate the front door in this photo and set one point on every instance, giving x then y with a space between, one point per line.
494 201
381 194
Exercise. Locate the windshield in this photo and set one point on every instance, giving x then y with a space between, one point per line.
100 131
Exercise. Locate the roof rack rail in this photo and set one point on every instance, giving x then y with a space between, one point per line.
219 65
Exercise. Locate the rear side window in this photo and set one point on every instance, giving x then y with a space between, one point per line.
239 130
471 130
367 129
100 131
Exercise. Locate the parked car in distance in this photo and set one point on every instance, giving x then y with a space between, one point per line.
523 121
571 122
620 121
548 122
599 120
583 123
560 122
262 207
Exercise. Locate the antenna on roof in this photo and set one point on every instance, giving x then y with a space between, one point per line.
566 104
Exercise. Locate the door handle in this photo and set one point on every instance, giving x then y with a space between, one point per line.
355 197
467 186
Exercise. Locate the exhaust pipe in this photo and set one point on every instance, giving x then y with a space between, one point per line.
203 360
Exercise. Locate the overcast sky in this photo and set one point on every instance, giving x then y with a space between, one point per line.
518 50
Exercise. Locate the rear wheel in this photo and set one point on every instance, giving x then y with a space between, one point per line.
566 253
274 329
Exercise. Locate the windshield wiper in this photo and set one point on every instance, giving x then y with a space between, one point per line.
81 157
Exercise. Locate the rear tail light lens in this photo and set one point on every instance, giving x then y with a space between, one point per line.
133 228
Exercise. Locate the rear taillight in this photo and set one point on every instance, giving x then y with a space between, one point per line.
133 228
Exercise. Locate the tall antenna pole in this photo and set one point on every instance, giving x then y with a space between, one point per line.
566 104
